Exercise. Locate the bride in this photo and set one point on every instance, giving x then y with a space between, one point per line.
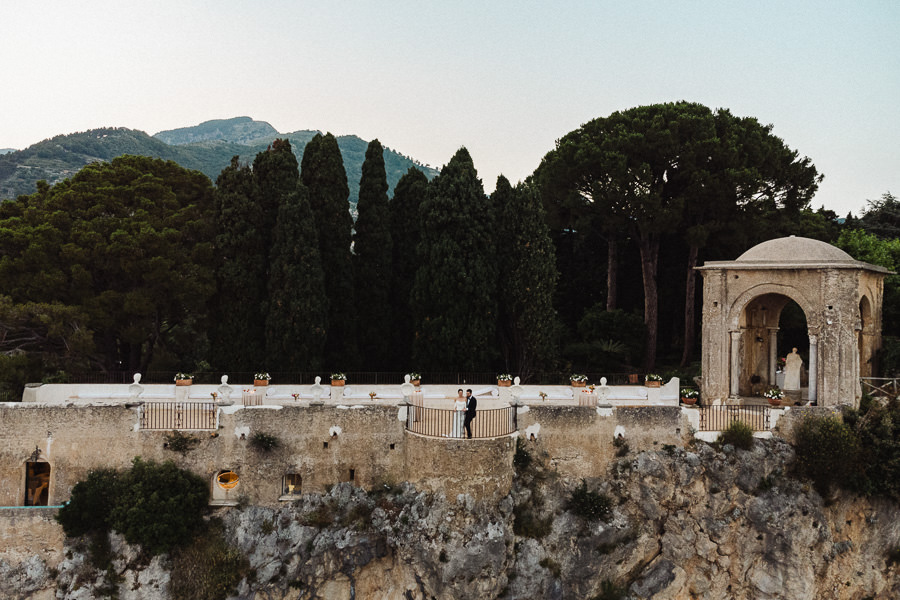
460 407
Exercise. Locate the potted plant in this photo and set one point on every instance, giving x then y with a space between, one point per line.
261 379
578 380
504 380
184 379
653 380
690 395
774 395
338 379
415 378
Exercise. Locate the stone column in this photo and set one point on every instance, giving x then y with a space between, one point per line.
735 363
773 353
813 367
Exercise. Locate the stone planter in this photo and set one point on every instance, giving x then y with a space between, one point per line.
774 401
415 382
260 382
338 382
504 382
578 383
184 381
653 383
689 401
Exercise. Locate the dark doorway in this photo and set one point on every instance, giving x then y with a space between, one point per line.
37 483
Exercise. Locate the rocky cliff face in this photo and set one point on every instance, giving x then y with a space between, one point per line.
683 523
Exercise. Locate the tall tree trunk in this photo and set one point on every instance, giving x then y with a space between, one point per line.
612 272
649 245
690 290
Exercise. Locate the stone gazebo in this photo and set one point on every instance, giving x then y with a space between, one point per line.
742 304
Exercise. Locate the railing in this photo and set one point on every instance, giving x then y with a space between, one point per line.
466 378
178 415
718 418
438 422
880 386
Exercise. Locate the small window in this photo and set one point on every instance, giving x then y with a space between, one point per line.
291 485
227 480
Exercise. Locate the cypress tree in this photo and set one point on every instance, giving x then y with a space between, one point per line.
296 321
454 295
372 261
527 281
405 235
322 172
238 333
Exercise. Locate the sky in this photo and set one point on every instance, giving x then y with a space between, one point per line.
503 79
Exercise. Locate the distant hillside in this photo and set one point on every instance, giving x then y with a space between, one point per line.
7 150
207 147
240 130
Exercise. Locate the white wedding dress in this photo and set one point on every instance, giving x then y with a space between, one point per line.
457 428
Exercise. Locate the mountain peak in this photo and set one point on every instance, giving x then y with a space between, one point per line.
238 130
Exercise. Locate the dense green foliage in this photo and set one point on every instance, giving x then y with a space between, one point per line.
651 169
527 323
827 452
405 225
738 434
123 250
372 261
322 172
158 506
454 295
264 442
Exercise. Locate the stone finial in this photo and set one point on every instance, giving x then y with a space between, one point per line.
317 391
602 391
136 389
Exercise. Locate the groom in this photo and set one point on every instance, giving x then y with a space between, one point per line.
471 405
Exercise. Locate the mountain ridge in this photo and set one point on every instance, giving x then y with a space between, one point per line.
207 147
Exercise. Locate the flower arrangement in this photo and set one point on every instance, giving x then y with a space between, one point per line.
578 377
653 377
774 393
690 393
214 395
413 376
183 376
338 377
296 397
262 377
372 395
543 395
782 361
504 377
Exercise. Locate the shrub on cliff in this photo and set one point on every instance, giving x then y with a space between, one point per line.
738 434
158 506
588 505
827 451
91 503
207 569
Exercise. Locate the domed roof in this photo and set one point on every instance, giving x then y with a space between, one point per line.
793 250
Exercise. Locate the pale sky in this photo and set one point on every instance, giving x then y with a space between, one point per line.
504 79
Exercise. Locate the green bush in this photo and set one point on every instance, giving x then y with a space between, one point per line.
877 425
827 451
527 524
738 434
522 458
208 568
609 591
589 505
159 506
181 442
264 442
92 501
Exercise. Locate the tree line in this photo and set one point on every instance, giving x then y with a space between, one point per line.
140 265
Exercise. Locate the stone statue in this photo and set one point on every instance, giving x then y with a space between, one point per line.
792 366
136 389
224 391
317 391
603 392
407 388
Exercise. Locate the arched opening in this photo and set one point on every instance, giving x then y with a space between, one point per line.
226 486
37 483
771 325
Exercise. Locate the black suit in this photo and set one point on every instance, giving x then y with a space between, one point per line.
471 406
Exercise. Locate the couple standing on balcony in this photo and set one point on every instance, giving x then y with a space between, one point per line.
465 411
